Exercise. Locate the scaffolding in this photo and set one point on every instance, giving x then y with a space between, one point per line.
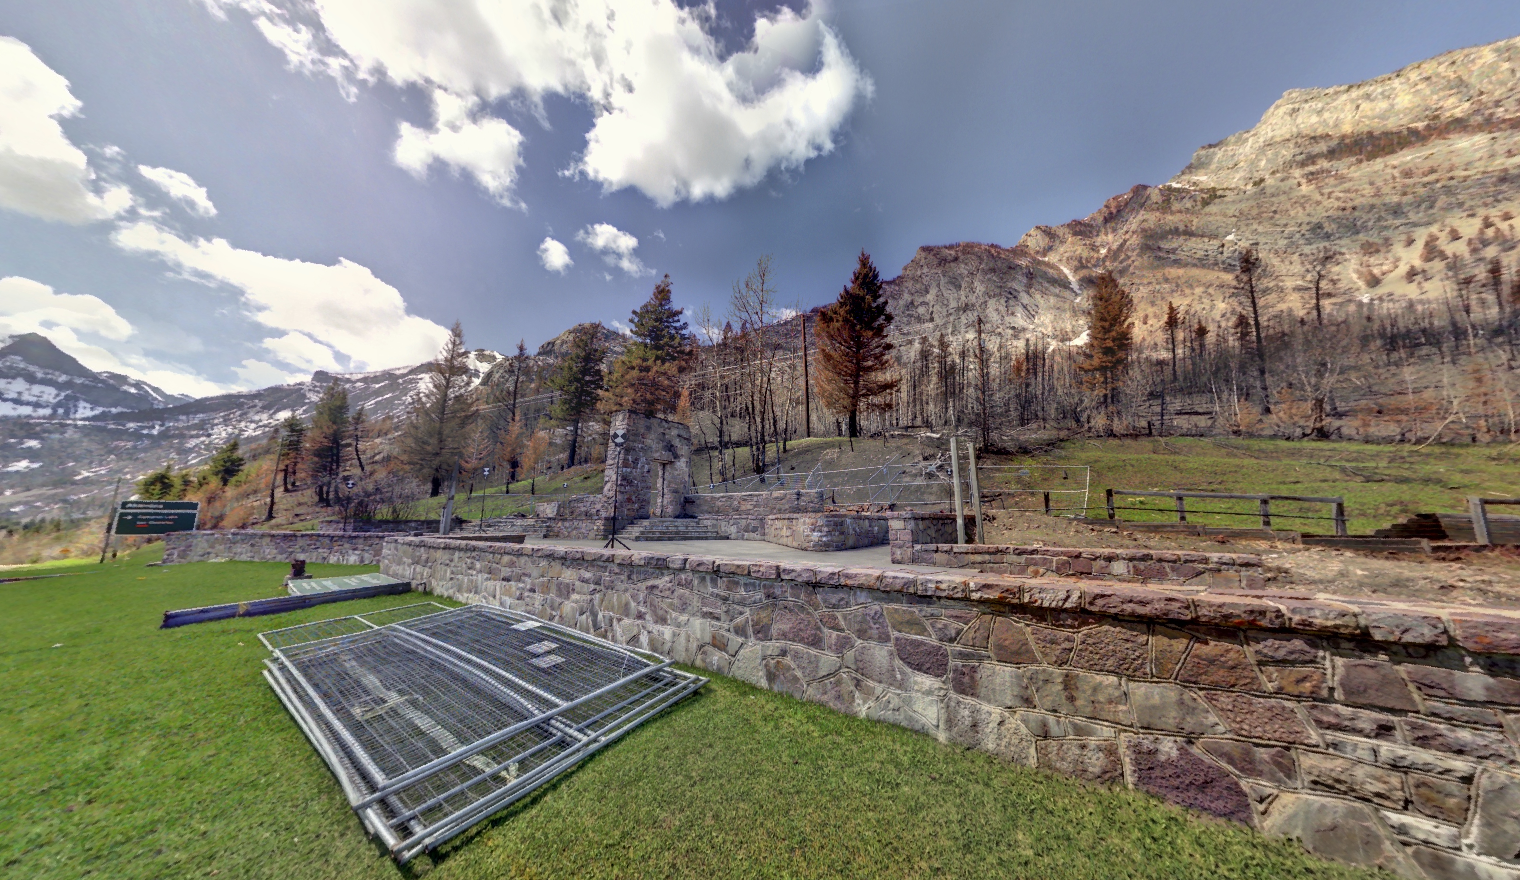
434 718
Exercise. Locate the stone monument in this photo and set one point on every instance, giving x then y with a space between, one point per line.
650 473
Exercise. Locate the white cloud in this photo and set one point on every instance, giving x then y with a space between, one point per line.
28 306
181 186
554 255
82 326
672 116
615 246
253 373
300 350
622 328
42 173
467 140
354 314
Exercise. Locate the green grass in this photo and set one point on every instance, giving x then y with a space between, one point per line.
1381 483
493 501
132 752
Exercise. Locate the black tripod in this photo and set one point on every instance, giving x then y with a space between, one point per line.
617 482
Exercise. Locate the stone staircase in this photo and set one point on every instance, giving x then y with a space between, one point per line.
670 530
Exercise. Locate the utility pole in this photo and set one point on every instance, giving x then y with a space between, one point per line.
807 403
110 521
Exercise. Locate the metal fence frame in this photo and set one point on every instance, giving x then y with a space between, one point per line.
434 718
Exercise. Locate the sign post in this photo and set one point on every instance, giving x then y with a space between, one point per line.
156 517
619 437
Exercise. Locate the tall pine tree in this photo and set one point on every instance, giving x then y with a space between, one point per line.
1110 335
329 442
578 379
433 436
647 377
853 351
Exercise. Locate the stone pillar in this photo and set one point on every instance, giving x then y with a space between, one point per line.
655 457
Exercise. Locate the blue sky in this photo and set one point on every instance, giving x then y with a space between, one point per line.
217 194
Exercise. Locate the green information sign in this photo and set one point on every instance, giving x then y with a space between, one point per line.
156 517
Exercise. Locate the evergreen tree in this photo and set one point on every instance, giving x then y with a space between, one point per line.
329 442
1171 324
292 451
226 463
434 433
647 377
578 379
1110 336
853 351
159 485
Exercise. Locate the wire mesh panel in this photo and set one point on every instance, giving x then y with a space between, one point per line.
432 722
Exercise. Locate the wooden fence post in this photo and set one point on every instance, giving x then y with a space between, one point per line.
1479 520
1338 510
1266 513
1047 504
1181 510
1109 495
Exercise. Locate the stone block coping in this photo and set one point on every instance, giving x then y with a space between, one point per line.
1415 624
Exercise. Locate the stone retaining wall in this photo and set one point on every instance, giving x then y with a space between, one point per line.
907 528
392 526
1216 570
756 503
344 548
1376 733
736 528
826 531
575 506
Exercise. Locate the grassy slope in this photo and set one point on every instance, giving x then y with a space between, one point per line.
1381 483
135 752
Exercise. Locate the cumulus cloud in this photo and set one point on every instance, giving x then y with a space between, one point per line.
180 186
28 306
615 246
554 255
466 140
342 308
85 327
673 115
42 173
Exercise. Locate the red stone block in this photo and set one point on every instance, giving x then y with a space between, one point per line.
1239 611
1136 602
860 577
1052 594
1318 615
1486 633
995 589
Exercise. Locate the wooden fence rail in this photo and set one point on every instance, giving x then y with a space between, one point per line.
1264 504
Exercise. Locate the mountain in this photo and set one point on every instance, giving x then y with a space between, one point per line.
947 288
1413 177
60 458
39 379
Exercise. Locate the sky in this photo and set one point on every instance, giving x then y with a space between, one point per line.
214 195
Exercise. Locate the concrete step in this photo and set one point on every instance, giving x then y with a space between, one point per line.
670 530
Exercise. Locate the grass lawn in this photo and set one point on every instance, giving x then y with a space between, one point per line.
1381 483
135 752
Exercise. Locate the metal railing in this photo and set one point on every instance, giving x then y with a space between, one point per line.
1263 511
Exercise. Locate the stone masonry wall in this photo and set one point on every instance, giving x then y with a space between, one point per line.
1380 734
906 528
737 528
756 503
580 506
1215 570
651 474
344 548
826 531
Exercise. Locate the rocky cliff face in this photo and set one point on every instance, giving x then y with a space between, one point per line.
1373 169
945 289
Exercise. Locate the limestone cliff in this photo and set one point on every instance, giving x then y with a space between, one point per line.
1373 169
